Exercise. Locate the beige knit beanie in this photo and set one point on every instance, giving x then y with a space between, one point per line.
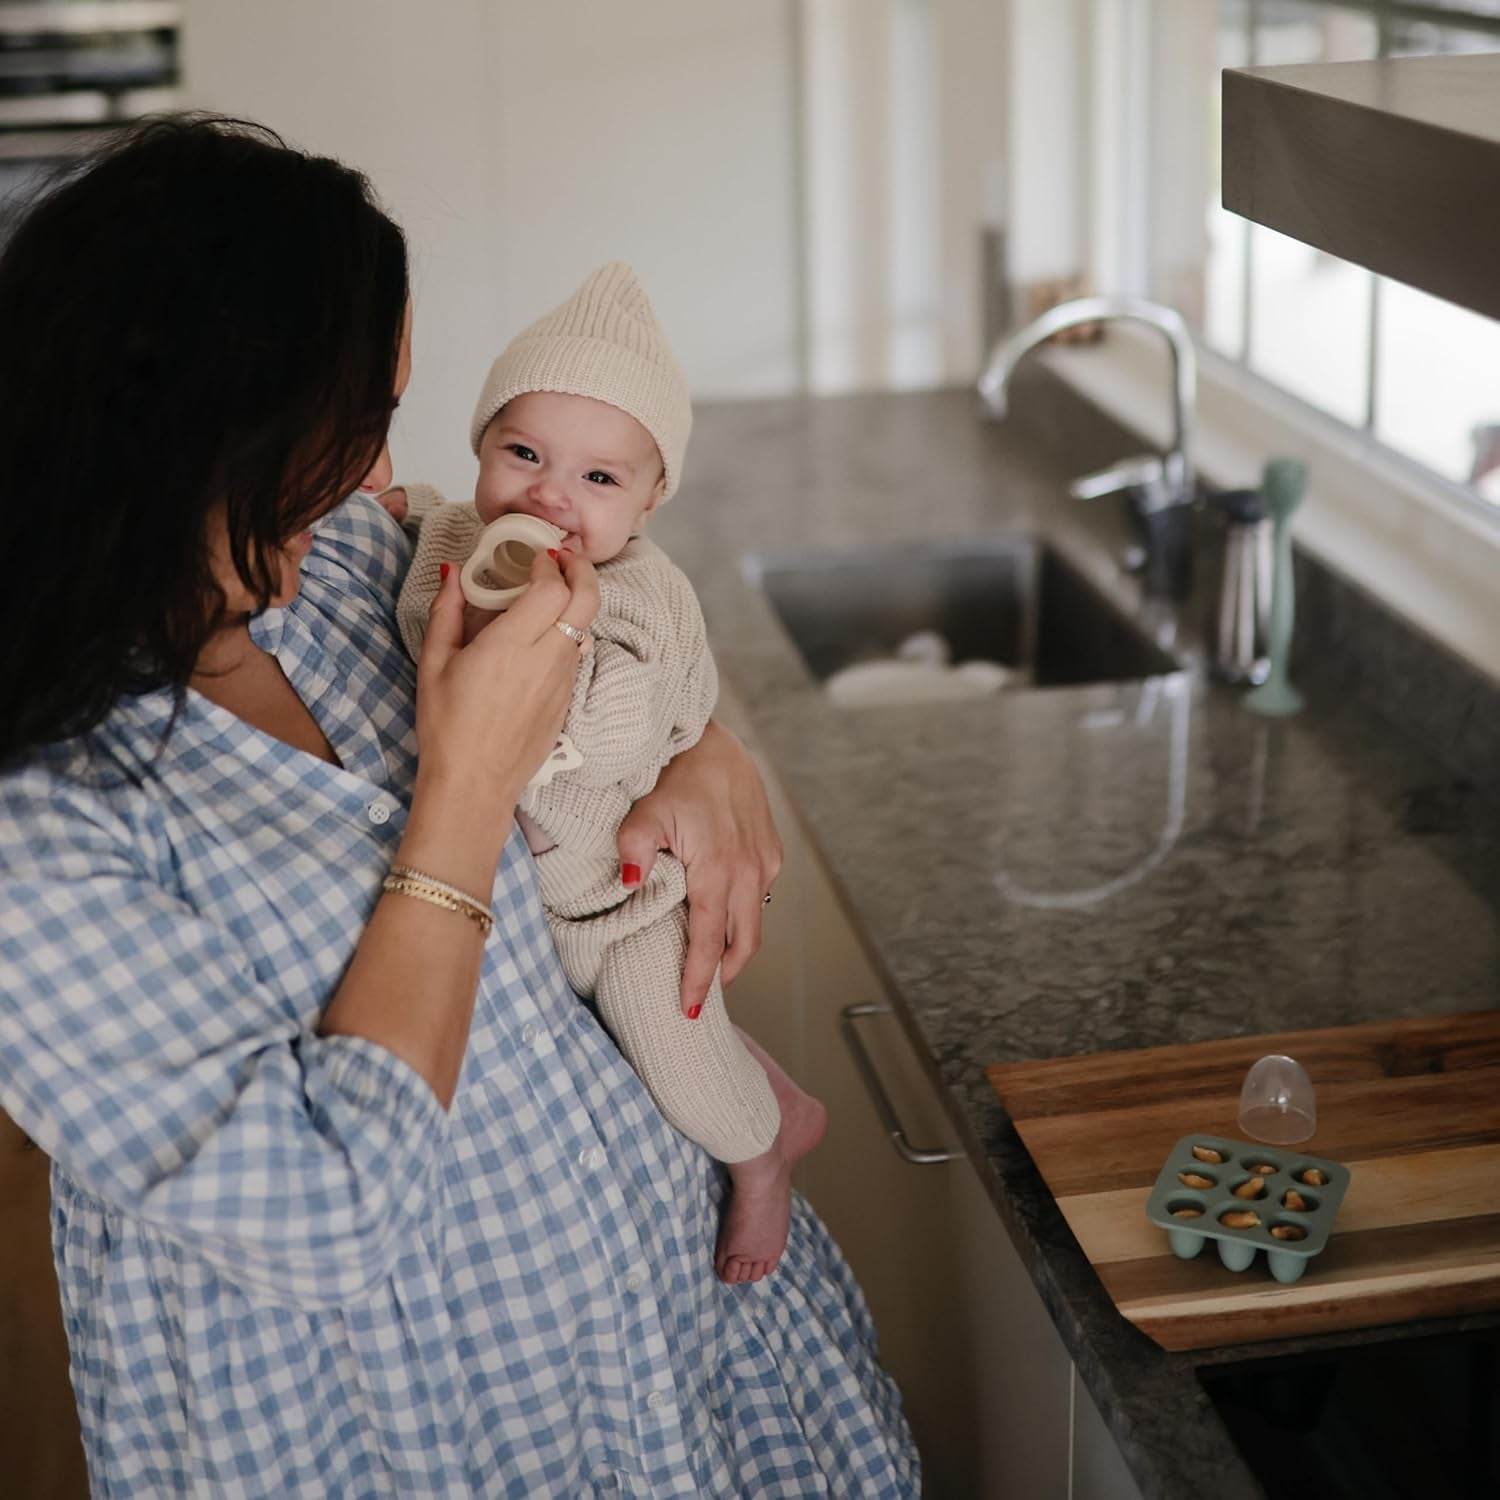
603 342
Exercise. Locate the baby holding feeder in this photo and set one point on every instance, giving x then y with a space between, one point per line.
580 432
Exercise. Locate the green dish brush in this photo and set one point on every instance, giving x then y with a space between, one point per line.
1282 487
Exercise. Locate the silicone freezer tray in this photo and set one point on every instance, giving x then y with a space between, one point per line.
1193 1192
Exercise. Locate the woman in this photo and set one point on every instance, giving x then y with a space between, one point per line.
351 1196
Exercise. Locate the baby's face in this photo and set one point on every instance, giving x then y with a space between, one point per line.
581 464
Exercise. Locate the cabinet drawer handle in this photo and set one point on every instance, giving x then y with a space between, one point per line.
914 1154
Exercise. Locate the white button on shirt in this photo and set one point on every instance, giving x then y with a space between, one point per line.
528 1034
379 813
634 1282
591 1158
656 1400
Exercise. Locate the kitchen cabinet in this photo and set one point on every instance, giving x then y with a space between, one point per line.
41 1456
990 1391
1390 164
1096 1466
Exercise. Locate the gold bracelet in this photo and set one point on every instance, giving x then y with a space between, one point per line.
401 885
472 902
404 881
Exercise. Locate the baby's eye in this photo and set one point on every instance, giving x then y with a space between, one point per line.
598 476
522 452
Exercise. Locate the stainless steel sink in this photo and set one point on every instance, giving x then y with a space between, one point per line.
1009 599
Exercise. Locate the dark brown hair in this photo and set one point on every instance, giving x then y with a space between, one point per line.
195 315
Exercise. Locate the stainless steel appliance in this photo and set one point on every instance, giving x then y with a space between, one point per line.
70 68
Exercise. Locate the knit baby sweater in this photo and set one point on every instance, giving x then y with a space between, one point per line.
645 688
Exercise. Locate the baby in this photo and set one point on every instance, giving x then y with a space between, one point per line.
583 422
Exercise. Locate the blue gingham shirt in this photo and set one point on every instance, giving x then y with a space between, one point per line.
285 1271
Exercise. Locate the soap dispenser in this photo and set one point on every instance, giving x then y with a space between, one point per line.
1241 625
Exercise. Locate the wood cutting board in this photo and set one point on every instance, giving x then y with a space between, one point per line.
1412 1108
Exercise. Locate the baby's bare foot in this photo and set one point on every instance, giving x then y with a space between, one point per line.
754 1230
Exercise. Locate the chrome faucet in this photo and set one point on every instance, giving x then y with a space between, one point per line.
1161 487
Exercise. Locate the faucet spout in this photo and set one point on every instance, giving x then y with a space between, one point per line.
1008 353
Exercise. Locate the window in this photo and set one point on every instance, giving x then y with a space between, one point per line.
1418 375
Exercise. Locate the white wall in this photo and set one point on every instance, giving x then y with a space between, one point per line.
800 183
659 132
1047 218
1182 149
520 143
904 103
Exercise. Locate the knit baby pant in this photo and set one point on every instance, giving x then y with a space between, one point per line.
627 956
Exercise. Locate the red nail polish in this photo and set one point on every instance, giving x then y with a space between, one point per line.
696 1011
552 553
630 874
444 570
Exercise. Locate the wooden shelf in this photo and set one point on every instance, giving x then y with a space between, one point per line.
1394 165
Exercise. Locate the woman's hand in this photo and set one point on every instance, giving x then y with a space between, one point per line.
709 808
489 712
475 619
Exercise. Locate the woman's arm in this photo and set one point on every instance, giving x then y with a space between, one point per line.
709 808
144 1048
168 1068
140 1049
487 714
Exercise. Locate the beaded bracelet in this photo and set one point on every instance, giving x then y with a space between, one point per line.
405 881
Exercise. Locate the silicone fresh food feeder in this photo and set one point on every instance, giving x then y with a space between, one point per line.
499 568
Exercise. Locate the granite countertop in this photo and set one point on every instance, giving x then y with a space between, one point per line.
1262 875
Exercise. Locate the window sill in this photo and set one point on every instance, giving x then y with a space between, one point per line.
1414 542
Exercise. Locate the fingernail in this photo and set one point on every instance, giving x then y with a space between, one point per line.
630 874
696 1011
444 570
552 553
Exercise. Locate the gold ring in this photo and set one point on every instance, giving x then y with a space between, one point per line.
573 633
